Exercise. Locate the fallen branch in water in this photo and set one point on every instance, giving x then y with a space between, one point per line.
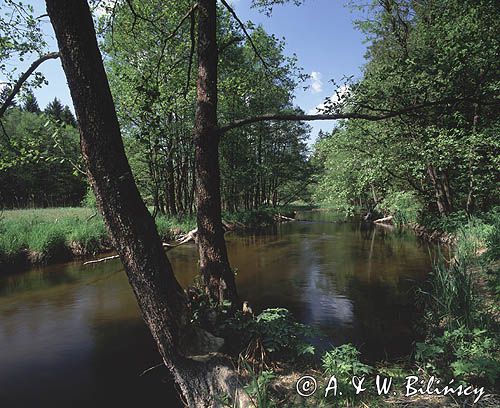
151 368
279 217
385 220
183 239
190 236
108 258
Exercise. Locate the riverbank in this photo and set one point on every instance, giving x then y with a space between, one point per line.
45 236
459 343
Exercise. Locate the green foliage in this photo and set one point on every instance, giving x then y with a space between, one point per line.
493 235
89 200
47 241
87 237
403 206
444 156
21 38
12 241
281 336
344 363
472 239
469 355
41 241
451 297
258 387
38 162
168 227
258 217
31 103
261 164
462 330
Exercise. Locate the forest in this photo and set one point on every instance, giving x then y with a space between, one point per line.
184 149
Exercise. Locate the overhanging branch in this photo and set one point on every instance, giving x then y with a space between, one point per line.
23 78
337 116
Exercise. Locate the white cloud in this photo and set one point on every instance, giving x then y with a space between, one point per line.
340 91
103 7
316 83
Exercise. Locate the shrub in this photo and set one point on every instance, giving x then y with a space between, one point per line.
403 206
471 238
273 334
493 235
258 387
343 362
462 354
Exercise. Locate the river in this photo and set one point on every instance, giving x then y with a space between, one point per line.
71 335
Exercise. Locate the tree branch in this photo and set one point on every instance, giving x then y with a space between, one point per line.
186 16
336 116
22 79
233 13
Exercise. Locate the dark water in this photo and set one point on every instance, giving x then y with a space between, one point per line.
72 336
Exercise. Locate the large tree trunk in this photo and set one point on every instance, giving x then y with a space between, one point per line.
441 190
214 263
130 226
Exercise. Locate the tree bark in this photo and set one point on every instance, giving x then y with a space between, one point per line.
214 263
129 223
441 190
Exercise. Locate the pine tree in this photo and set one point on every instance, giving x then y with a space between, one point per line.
55 110
31 104
68 117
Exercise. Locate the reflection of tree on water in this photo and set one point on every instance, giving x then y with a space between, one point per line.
384 317
319 294
122 351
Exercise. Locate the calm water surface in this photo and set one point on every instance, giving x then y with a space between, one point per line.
72 335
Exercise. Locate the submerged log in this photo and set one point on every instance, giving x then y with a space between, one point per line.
190 236
279 217
384 220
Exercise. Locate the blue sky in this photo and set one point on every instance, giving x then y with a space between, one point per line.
320 33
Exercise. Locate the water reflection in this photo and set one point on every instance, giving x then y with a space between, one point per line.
72 335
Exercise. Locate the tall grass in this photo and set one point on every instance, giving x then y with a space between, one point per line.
462 336
46 235
88 237
169 227
40 236
452 294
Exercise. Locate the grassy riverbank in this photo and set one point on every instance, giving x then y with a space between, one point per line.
42 236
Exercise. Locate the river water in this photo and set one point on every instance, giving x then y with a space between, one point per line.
71 335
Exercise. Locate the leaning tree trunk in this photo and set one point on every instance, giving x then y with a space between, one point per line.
130 226
214 263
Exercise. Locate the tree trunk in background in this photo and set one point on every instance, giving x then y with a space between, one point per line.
441 190
214 264
130 226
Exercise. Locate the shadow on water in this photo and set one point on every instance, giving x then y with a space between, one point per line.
72 335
